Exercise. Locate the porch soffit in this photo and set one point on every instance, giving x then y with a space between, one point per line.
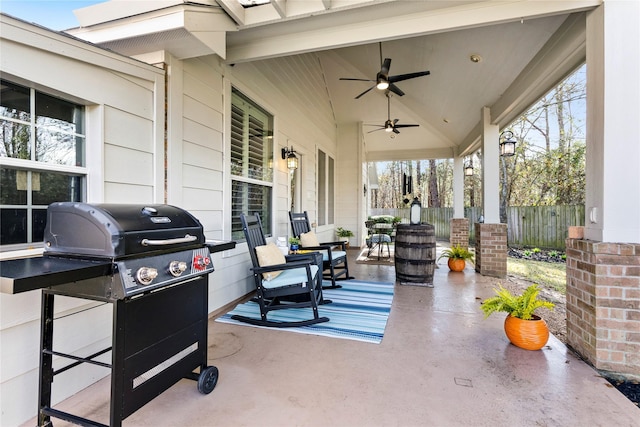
527 47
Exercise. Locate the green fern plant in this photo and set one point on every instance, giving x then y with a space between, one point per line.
456 252
520 306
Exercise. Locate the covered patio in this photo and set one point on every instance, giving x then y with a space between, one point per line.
439 364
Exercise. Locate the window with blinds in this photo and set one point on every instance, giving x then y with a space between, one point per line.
325 188
251 163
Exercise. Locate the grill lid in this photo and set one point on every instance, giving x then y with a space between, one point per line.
118 230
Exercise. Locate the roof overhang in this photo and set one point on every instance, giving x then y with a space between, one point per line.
184 29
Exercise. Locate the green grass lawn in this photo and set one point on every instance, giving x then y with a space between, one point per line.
549 274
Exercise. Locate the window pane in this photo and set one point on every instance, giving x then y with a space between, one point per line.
14 119
13 226
251 139
39 220
330 191
237 132
13 190
322 188
57 113
59 148
248 199
15 140
14 101
48 188
57 123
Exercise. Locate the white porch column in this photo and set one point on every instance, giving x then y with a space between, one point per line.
613 107
603 280
490 169
458 187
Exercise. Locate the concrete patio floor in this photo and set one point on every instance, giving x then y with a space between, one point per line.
440 364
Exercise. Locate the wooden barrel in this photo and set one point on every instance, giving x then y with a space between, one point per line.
415 254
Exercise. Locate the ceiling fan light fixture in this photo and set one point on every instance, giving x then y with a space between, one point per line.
382 84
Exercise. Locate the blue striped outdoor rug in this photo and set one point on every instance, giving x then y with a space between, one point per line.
359 311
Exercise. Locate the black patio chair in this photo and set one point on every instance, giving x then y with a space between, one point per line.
334 254
297 285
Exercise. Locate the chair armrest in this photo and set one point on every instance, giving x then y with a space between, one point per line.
316 248
341 244
309 257
338 243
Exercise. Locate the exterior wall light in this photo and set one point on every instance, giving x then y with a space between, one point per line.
507 144
289 155
468 169
414 213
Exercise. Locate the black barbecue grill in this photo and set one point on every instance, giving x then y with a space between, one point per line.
151 262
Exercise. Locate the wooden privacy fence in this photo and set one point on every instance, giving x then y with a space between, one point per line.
544 227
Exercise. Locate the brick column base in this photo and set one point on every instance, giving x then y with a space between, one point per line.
603 304
459 232
491 249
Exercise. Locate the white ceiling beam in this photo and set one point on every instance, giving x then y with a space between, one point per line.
369 24
281 7
234 9
399 155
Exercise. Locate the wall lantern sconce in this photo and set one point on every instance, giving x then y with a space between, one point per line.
414 213
289 155
507 144
468 169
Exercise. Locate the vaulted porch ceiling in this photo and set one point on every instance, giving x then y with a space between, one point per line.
524 49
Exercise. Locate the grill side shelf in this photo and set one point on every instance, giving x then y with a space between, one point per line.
27 274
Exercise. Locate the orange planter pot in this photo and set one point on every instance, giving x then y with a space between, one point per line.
528 334
456 264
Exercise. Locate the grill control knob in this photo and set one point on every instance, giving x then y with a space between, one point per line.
145 275
176 268
201 262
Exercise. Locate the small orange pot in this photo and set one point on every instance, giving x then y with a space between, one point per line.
528 334
456 264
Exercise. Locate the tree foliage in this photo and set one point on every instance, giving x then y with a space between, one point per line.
547 169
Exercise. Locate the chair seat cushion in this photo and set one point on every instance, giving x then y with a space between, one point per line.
290 277
269 254
334 255
309 239
381 238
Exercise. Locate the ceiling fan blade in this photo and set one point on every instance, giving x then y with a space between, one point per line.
395 130
395 89
354 79
371 124
405 126
401 77
395 121
375 130
358 97
384 69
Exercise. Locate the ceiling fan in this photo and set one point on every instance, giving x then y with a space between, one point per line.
390 125
384 81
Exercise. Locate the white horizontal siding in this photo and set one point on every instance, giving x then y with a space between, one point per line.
124 140
124 129
124 165
126 193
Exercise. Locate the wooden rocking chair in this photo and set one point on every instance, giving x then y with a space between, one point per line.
334 254
281 282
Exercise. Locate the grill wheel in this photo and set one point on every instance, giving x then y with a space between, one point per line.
208 379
